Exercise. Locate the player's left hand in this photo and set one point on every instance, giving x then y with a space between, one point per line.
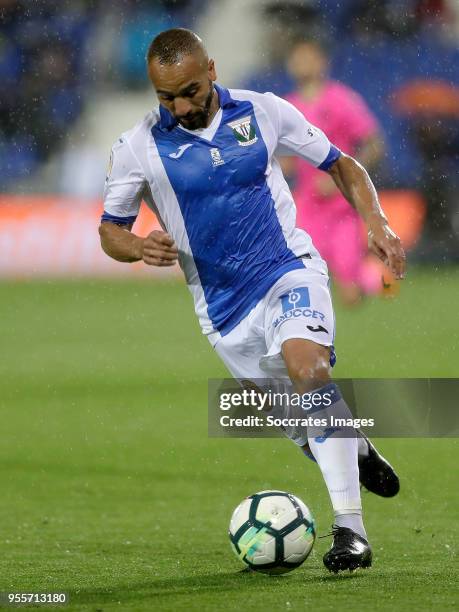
385 243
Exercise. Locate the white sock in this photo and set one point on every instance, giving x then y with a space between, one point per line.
337 458
352 520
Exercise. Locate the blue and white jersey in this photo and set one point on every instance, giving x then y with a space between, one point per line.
220 193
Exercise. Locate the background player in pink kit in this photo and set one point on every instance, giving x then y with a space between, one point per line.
333 224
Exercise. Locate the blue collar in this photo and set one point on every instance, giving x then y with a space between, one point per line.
168 122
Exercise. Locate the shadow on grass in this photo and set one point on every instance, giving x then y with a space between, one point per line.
222 582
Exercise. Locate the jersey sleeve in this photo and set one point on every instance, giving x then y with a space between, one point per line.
297 136
124 186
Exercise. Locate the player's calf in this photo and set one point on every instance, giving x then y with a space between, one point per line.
333 447
375 473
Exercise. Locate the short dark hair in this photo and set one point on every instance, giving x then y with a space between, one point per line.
169 46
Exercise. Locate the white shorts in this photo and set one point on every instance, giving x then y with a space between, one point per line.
298 306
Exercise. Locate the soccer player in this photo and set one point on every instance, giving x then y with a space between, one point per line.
206 163
322 210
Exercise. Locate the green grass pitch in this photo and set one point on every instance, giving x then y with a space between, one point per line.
112 490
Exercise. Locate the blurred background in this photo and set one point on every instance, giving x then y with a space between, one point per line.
72 78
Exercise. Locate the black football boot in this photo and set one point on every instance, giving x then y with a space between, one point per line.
376 474
348 552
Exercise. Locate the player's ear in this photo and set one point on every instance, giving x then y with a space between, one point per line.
211 70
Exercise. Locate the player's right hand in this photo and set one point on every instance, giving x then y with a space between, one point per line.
159 249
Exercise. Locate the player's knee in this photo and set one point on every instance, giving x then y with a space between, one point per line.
311 374
308 364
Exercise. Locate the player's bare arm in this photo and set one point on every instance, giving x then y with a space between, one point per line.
353 181
369 153
157 249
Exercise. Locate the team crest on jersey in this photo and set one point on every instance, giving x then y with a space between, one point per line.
244 131
217 159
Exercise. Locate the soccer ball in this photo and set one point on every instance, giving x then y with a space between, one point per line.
272 532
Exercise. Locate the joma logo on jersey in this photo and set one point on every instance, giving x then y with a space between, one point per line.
180 151
244 131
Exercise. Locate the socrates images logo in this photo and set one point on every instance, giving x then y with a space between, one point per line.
295 298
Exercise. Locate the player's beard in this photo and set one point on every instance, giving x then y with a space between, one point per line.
199 119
